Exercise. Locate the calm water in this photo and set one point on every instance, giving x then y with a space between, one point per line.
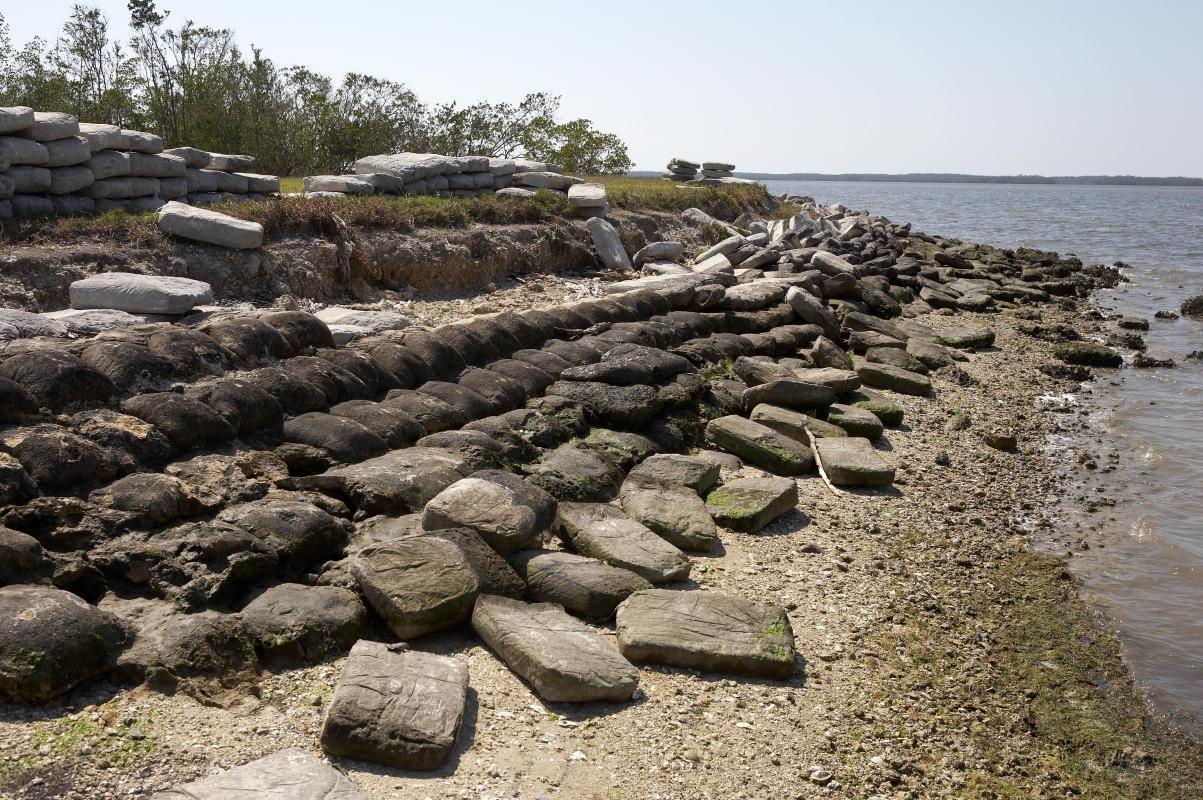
1145 563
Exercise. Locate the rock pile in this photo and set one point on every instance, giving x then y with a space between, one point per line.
446 176
50 163
196 500
680 169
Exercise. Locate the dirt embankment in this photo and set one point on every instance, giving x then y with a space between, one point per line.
354 264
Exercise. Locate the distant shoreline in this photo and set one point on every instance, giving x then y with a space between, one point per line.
950 177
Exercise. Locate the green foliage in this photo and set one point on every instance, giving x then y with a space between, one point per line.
192 85
576 146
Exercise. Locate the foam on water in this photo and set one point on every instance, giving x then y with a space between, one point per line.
1145 562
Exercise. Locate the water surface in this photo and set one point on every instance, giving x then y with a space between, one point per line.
1145 562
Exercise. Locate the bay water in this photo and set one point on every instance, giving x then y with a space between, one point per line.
1145 562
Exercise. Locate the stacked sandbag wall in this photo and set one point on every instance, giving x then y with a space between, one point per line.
50 163
443 176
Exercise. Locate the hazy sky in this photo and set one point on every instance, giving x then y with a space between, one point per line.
1051 87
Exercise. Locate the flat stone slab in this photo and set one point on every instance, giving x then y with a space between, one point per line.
586 195
855 421
603 532
749 504
608 244
563 659
881 406
417 585
759 445
211 227
788 393
674 513
853 462
706 631
139 294
793 424
583 586
838 380
810 309
885 376
507 513
396 706
291 774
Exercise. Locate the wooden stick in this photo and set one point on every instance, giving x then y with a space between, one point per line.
819 463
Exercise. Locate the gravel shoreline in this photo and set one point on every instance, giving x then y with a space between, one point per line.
943 656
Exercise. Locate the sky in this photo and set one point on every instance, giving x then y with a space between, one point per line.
1058 87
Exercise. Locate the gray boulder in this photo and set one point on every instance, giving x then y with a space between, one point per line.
583 586
291 774
603 532
508 513
759 445
398 482
293 622
659 251
674 513
706 631
210 227
673 470
855 421
51 640
418 584
852 461
139 294
608 243
396 706
884 376
811 309
587 195
749 504
788 393
793 424
562 659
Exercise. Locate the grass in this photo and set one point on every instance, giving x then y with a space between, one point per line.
326 216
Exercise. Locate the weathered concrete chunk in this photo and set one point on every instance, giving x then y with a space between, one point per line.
211 227
838 380
811 309
749 504
855 421
853 462
608 243
396 706
343 438
571 472
605 533
57 379
562 659
291 774
882 407
300 533
759 445
586 195
674 513
671 469
294 623
788 393
51 640
399 482
896 357
583 586
884 376
418 584
613 406
186 422
507 512
706 631
793 424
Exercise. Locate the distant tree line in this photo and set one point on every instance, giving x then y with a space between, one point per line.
954 177
193 85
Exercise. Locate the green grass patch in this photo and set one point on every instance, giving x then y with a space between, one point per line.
325 216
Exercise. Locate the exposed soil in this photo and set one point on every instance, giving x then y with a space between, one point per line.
364 265
942 657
